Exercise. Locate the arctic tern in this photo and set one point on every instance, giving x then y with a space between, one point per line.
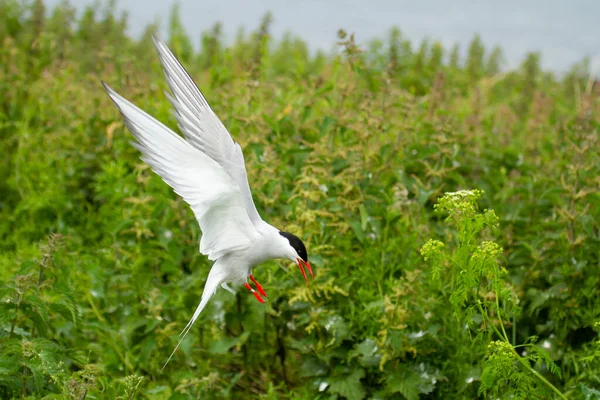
206 168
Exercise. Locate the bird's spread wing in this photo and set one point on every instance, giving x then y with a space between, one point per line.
212 194
202 128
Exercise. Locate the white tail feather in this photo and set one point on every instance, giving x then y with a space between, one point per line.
215 278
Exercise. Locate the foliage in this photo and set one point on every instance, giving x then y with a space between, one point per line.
473 277
99 260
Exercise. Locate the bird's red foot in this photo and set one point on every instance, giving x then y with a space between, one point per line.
260 299
258 287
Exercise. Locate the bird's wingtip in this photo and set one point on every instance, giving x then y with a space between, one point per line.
117 99
108 89
158 43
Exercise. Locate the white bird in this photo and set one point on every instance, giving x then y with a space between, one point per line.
206 168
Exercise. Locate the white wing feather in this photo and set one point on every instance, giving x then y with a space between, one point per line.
202 128
213 196
216 276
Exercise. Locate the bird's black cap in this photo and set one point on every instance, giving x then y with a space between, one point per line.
297 244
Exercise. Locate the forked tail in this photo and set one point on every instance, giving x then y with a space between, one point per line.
215 278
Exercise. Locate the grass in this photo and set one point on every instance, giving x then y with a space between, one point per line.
350 151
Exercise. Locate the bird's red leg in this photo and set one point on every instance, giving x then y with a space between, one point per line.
260 300
258 287
302 269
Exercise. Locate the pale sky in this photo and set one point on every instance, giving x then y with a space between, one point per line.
564 31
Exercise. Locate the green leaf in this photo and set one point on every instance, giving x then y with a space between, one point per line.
327 87
355 225
8 365
306 113
589 393
364 217
325 124
223 346
366 351
158 392
27 266
349 386
312 366
67 300
406 383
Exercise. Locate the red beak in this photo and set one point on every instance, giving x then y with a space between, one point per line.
301 265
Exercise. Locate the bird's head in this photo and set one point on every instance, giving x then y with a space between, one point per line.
297 253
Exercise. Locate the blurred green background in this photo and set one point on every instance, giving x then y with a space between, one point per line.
99 260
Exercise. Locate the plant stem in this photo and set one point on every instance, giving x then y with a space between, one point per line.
12 328
45 259
539 376
24 381
42 266
500 319
489 321
95 308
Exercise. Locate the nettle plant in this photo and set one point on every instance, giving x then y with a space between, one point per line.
38 317
468 272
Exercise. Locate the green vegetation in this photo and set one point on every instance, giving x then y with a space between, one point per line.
352 151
